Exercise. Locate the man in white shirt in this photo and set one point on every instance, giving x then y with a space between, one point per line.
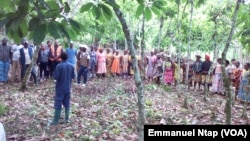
15 63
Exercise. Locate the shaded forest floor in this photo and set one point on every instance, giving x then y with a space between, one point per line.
106 109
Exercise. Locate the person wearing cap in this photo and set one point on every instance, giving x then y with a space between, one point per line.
205 67
63 74
83 59
5 57
71 52
197 71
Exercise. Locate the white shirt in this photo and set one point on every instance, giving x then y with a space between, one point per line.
15 49
27 56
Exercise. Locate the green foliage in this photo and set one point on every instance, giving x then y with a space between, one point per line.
33 17
2 110
101 11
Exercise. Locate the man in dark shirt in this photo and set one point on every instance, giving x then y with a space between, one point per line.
63 74
205 70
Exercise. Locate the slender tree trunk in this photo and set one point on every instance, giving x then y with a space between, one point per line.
143 46
138 81
179 51
28 71
160 31
228 106
214 36
185 105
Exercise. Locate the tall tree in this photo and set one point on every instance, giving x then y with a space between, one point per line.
138 81
226 80
189 42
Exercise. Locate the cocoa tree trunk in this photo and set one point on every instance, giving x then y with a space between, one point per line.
160 31
28 71
138 81
226 80
185 105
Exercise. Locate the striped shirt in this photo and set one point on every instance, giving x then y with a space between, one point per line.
5 53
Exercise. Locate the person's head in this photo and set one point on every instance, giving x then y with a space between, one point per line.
49 43
4 41
101 50
198 57
207 57
56 43
92 48
64 56
42 46
151 53
237 64
71 44
116 53
108 50
219 60
158 56
125 52
25 43
233 61
247 66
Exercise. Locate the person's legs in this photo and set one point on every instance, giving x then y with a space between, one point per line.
66 104
79 74
85 75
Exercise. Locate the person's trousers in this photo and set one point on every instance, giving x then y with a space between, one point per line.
43 69
15 71
83 70
62 99
4 70
33 74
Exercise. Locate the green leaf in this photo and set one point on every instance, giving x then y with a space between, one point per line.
86 7
66 7
74 24
156 11
71 34
141 2
14 36
39 33
53 30
148 13
33 23
4 4
24 28
53 5
96 11
106 11
139 11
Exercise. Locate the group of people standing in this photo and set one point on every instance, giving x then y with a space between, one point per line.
164 69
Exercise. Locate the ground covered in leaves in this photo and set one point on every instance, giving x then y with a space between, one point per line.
106 109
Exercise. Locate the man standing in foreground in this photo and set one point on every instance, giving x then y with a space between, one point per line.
63 74
5 56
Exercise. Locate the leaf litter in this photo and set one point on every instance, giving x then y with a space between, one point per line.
106 110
